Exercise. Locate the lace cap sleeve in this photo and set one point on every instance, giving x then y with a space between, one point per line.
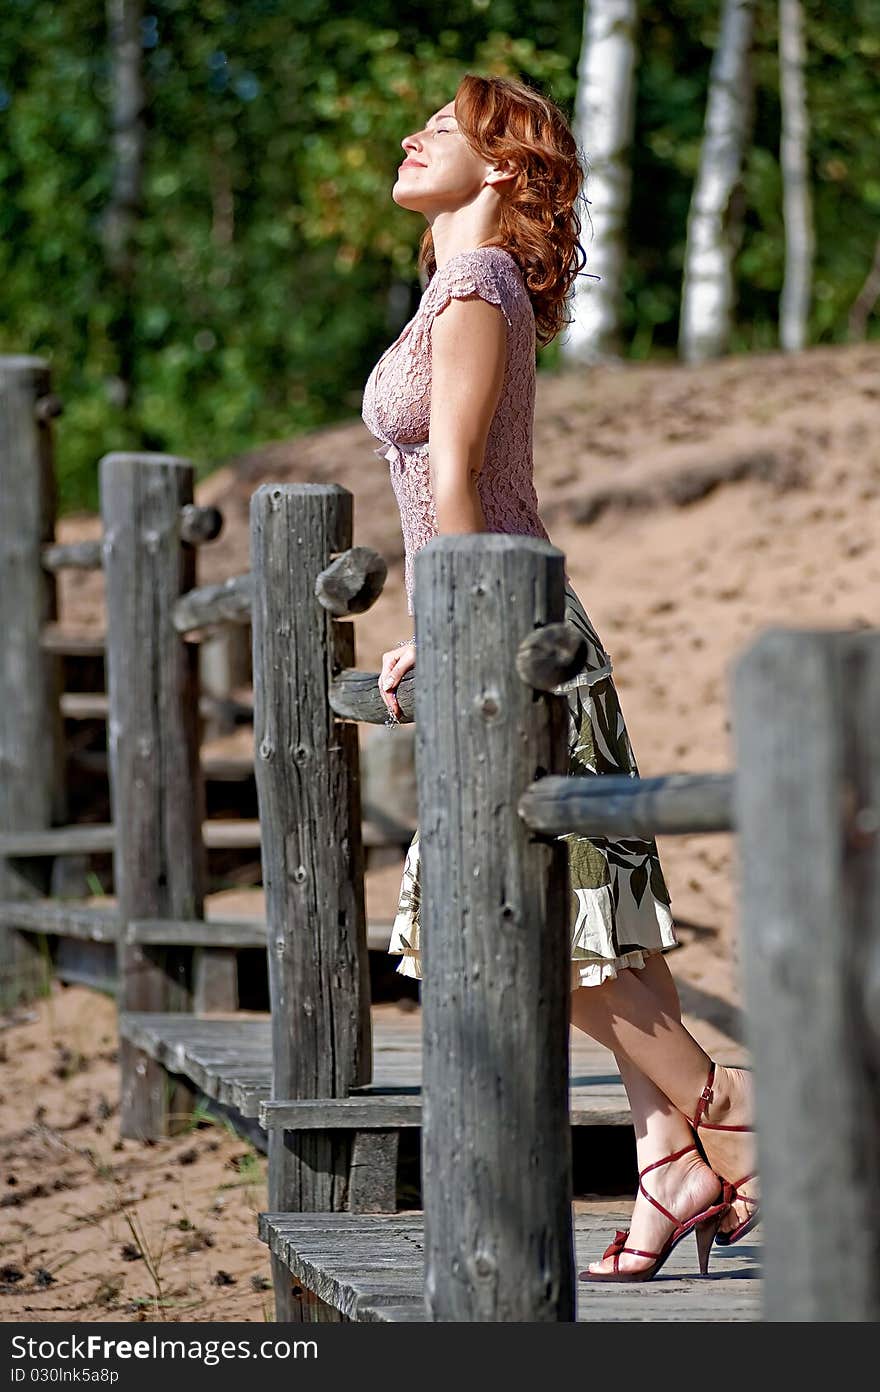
465 275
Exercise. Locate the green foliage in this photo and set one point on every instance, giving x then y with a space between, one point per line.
272 264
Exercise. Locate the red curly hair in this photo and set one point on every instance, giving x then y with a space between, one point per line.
504 121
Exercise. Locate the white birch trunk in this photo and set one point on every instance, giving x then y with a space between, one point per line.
708 290
794 305
603 127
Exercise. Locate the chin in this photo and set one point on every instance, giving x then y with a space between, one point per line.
405 200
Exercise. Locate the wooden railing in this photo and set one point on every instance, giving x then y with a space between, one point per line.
494 796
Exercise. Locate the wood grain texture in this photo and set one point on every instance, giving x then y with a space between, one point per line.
550 655
229 601
371 1269
157 793
306 766
214 979
31 766
355 696
352 582
72 555
496 1161
104 925
220 834
372 1186
808 807
231 1060
199 525
675 804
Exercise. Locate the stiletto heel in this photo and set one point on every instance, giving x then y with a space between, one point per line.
704 1224
725 1239
707 1234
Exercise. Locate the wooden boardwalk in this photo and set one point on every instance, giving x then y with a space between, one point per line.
370 1268
230 1060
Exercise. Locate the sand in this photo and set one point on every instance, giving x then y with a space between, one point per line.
679 574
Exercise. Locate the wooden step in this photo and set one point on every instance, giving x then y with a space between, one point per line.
229 1060
55 640
370 1267
208 1051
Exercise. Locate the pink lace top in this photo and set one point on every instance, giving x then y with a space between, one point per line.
397 405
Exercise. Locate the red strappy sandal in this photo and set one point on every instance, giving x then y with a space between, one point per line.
724 1239
704 1224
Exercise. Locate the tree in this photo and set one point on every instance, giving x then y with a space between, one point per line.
794 305
713 228
866 299
603 127
119 228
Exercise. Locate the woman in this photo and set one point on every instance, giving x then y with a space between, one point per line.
496 175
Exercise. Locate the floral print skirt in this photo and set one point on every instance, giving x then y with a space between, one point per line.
619 899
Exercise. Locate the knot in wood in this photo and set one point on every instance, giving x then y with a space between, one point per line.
47 407
864 828
266 748
300 754
550 655
485 1265
300 874
489 705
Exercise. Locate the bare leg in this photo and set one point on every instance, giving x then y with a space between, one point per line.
638 1017
685 1186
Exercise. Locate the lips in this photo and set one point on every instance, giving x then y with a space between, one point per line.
411 164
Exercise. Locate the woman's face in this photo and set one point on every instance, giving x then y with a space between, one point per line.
440 171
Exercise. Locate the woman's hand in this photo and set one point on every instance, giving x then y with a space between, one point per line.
395 665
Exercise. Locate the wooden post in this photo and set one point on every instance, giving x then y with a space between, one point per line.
807 802
306 764
496 1163
157 792
31 746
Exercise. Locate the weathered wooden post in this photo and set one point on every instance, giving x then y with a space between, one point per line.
31 746
807 801
306 763
496 1164
157 792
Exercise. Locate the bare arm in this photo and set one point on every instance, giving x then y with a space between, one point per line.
468 358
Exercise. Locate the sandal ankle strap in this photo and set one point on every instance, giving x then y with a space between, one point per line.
706 1096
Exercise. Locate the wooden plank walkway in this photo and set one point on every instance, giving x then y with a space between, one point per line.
370 1268
230 1059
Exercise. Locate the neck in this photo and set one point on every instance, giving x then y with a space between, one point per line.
465 229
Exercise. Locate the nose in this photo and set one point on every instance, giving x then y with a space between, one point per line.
411 144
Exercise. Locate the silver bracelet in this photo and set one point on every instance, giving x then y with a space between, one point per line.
403 642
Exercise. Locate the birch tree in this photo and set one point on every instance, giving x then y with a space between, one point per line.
713 228
603 126
794 305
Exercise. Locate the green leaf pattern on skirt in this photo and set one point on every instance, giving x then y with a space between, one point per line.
620 906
